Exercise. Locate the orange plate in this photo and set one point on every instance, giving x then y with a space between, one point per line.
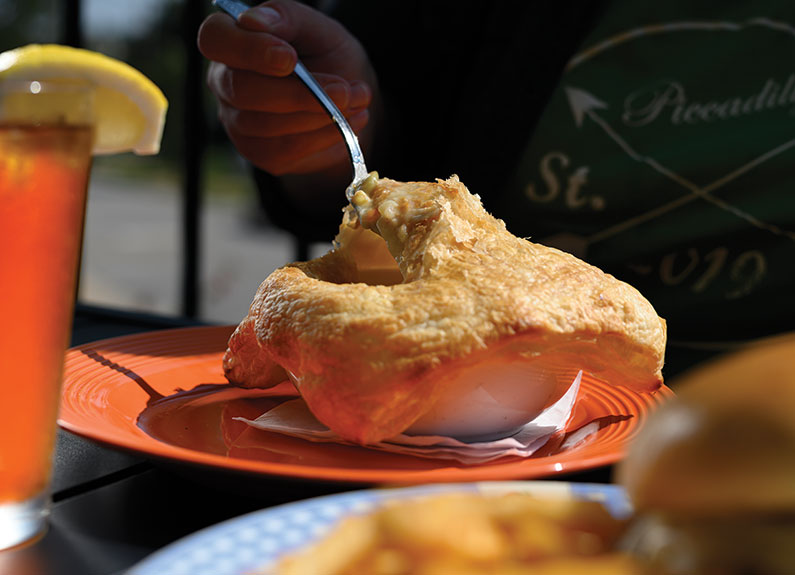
163 394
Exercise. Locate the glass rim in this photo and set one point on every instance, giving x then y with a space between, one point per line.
47 101
45 85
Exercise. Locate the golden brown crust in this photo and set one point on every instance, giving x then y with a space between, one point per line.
368 359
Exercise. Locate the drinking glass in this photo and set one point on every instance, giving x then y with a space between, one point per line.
45 159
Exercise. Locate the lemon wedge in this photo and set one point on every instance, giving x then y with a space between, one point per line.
129 109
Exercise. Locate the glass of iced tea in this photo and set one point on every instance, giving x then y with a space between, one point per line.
45 159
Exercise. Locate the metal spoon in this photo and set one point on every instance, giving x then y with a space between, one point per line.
235 8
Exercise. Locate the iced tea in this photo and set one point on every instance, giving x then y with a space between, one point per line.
43 179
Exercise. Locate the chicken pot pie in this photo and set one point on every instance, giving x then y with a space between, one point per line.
423 297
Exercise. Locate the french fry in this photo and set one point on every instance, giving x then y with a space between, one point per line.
468 534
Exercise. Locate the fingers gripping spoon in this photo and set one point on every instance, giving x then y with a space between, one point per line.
235 8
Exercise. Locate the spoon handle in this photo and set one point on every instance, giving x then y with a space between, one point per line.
232 7
355 151
235 8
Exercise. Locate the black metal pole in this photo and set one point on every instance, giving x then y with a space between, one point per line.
71 34
195 140
72 31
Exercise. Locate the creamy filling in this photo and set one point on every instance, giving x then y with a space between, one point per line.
362 203
394 214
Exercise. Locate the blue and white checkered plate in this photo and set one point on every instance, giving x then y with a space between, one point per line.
254 542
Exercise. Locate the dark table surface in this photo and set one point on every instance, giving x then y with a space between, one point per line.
111 508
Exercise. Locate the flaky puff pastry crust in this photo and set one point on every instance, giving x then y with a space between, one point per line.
371 359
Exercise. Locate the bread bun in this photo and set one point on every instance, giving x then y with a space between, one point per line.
712 472
726 442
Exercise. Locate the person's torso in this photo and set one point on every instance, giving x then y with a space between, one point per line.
657 143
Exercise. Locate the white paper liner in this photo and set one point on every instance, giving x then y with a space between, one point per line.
293 418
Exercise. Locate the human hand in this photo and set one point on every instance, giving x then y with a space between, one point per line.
270 116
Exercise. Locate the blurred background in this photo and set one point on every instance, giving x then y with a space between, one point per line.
180 233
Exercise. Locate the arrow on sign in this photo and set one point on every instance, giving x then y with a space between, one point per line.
582 103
